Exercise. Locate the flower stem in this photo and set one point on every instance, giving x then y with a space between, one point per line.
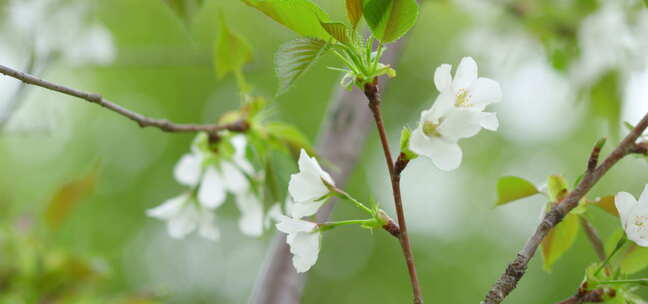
331 225
354 201
616 249
371 91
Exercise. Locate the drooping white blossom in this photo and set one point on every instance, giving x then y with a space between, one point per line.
457 113
304 241
183 215
307 187
634 216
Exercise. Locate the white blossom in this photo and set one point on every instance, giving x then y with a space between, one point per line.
634 216
183 215
307 187
304 241
457 113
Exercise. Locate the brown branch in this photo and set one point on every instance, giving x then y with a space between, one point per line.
585 296
373 95
516 269
140 119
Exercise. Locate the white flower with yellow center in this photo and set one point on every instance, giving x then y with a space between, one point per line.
303 239
457 113
634 216
469 91
308 187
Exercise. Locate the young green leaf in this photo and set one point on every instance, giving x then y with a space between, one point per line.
290 136
559 240
301 16
390 19
338 30
354 11
511 188
404 143
294 58
67 197
634 259
606 203
231 51
557 188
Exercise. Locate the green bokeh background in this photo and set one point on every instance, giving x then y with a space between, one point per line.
163 69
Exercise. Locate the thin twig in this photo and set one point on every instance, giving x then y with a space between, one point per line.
140 119
594 238
516 269
373 95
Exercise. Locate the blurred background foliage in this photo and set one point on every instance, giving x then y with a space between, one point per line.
77 179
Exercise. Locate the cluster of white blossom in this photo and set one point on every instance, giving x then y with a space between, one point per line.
457 113
211 176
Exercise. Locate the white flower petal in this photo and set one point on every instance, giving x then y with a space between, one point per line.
310 165
445 154
460 124
465 75
306 208
251 221
188 169
307 184
483 92
290 226
211 193
624 203
235 181
637 226
305 249
442 77
239 142
169 208
207 227
184 222
643 199
489 121
442 105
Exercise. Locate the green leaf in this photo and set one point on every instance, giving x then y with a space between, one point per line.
184 9
354 11
559 240
511 188
67 197
338 30
634 259
404 143
301 16
290 136
390 19
557 188
231 51
294 58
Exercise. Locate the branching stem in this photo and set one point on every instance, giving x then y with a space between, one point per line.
371 91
